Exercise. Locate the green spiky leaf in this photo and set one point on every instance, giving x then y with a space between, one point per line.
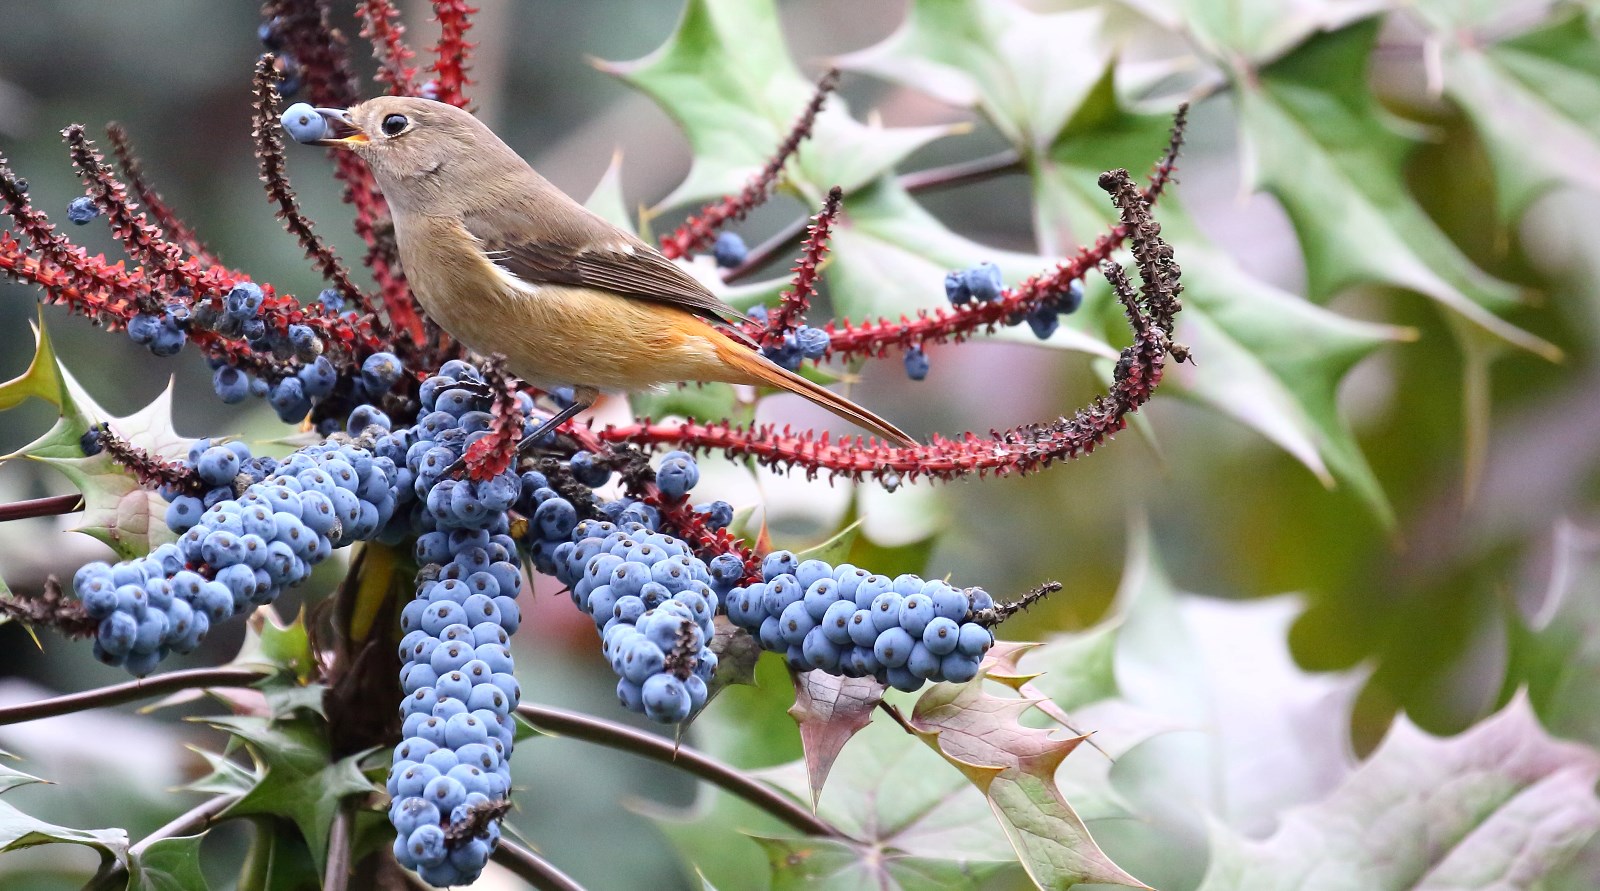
170 864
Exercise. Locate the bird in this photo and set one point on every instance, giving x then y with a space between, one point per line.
508 264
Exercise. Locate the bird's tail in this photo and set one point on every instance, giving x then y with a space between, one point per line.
755 368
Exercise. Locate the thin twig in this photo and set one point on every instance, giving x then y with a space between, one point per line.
193 820
726 777
537 871
340 836
131 691
52 506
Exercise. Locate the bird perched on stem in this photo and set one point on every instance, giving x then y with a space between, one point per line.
507 263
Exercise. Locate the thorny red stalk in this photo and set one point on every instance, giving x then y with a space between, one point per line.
381 26
793 304
143 241
267 106
329 80
690 526
165 217
698 231
493 454
452 51
1021 450
152 472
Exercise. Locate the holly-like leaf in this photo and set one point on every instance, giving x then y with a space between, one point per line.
1496 807
11 778
1555 653
836 549
1014 766
830 709
1541 82
18 830
607 199
727 78
117 510
1319 142
1254 32
1266 358
1026 71
169 864
298 778
801 864
737 653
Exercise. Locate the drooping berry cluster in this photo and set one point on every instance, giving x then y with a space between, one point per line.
235 551
451 770
804 342
846 621
652 600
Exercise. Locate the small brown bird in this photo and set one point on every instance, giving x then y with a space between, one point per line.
507 263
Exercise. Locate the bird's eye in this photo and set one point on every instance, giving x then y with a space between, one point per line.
394 124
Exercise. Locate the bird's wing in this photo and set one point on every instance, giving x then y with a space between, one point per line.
624 265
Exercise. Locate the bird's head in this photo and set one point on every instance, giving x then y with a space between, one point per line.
421 152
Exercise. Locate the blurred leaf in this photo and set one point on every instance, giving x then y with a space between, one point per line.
1318 141
1014 766
11 778
1266 734
170 864
1544 82
298 778
1026 71
726 76
18 830
892 792
1496 807
117 510
607 199
1254 31
1264 357
830 709
737 652
227 777
839 865
1555 654
835 549
278 860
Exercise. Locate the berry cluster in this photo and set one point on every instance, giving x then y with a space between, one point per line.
458 674
653 601
234 551
845 621
804 342
982 283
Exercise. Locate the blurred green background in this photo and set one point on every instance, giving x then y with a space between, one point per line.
1484 454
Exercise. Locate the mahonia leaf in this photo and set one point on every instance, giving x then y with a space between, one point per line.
800 864
1541 82
298 777
836 549
1496 807
169 864
1319 143
227 776
1266 734
1555 653
1026 71
18 830
1257 31
1014 766
11 778
1267 358
727 78
830 709
607 199
737 653
117 510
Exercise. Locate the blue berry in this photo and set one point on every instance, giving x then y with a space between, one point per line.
143 328
231 384
380 372
813 342
729 250
303 123
916 362
984 282
955 288
82 210
677 474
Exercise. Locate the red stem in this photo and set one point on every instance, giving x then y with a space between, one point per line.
452 51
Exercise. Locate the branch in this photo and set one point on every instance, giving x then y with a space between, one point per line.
52 506
51 609
341 832
647 745
697 232
793 304
267 105
998 613
196 819
132 691
151 471
530 867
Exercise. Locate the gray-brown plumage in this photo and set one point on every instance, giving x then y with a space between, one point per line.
509 264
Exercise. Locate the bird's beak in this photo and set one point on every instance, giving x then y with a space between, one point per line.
342 130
